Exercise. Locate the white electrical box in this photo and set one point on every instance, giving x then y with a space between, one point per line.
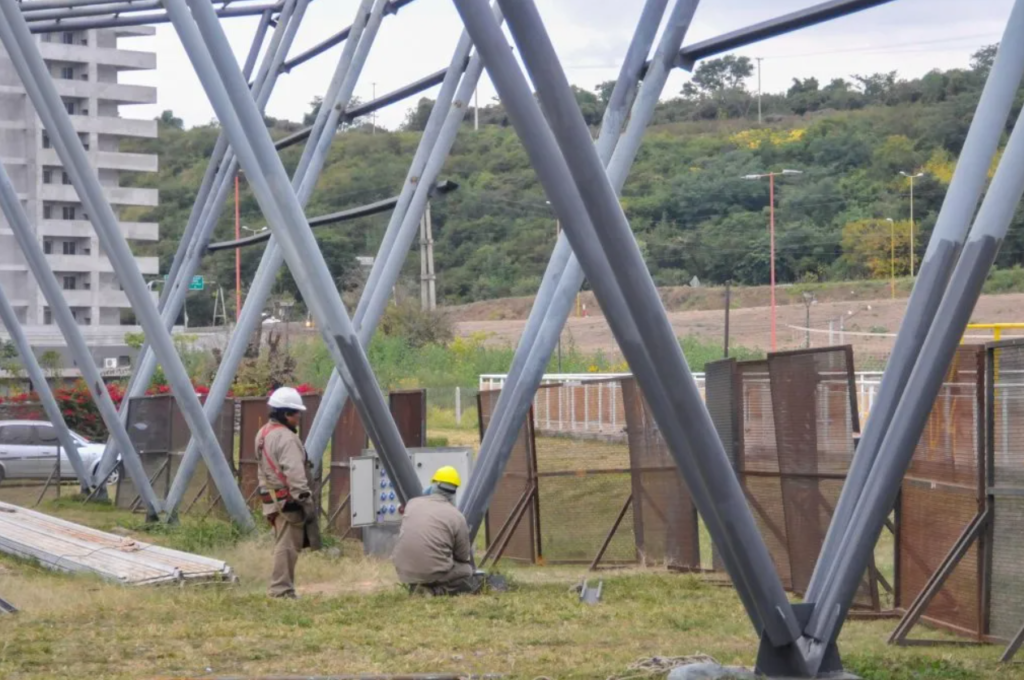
374 499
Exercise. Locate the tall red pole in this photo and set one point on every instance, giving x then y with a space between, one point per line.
238 255
771 200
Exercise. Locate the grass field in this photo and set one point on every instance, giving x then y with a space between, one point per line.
354 618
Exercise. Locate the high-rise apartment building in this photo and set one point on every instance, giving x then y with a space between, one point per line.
85 66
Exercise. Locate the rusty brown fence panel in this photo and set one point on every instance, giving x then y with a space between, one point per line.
514 507
721 385
757 463
1004 573
815 417
665 524
942 493
409 409
349 441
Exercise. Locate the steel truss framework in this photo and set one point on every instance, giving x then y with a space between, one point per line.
582 180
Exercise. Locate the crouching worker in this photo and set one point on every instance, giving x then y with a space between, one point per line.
433 550
285 482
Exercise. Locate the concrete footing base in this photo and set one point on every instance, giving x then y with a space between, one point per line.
714 671
380 540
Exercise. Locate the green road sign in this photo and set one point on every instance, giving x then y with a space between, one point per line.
197 283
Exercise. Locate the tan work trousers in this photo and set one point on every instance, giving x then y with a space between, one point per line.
288 535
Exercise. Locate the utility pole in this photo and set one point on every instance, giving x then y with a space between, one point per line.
728 304
428 289
809 300
759 60
238 253
912 178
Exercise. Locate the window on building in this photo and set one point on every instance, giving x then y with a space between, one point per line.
47 246
70 107
86 283
47 212
84 138
47 37
85 321
70 248
69 213
68 38
47 176
70 282
65 178
46 140
47 317
67 73
124 360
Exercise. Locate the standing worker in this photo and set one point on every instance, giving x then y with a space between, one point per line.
284 477
433 552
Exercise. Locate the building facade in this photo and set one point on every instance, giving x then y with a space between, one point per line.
86 66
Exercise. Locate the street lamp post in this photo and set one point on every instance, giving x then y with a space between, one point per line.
892 255
912 178
771 234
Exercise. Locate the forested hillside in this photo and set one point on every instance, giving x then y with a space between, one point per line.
693 212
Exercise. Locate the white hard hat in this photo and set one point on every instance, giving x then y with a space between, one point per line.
286 398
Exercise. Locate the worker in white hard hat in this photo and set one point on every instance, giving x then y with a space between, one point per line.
285 488
434 553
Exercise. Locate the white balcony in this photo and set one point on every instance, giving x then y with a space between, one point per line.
136 231
105 56
94 263
114 92
65 193
110 160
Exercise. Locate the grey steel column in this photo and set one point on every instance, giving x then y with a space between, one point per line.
271 261
211 55
65 320
394 247
205 212
669 385
508 414
911 416
34 74
943 248
38 378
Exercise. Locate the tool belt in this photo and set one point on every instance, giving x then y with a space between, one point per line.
272 497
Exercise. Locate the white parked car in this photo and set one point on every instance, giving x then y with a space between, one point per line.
28 450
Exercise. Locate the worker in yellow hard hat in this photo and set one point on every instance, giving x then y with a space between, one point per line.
433 552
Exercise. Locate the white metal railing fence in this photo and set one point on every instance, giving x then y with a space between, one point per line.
592 402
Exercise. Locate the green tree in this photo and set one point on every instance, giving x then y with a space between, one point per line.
416 118
168 118
714 76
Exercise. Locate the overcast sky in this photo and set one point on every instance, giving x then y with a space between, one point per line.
909 36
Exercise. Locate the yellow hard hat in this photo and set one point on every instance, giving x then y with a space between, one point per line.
447 475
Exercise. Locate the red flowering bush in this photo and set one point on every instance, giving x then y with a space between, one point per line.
77 405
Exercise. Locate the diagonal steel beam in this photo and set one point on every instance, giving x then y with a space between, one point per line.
210 53
339 90
35 373
510 411
435 145
144 19
911 415
15 35
585 202
65 320
205 213
944 247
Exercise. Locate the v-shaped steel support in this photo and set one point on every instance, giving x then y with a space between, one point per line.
210 53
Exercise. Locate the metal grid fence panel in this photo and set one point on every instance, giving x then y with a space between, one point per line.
580 407
720 389
815 417
1006 448
941 494
512 490
583 483
757 464
665 521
